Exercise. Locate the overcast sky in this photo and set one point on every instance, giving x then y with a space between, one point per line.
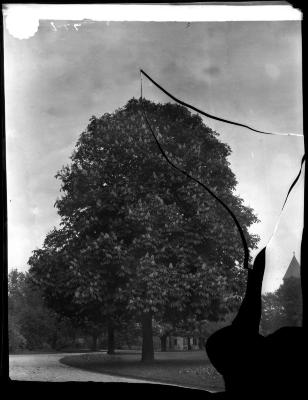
245 71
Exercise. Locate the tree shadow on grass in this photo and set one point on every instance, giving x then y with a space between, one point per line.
117 361
197 374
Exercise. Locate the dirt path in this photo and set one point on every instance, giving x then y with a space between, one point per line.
46 367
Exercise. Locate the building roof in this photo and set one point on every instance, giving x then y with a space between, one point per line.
293 269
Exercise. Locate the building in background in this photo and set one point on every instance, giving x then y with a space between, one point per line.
293 270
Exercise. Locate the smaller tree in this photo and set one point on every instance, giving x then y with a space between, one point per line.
290 296
81 277
273 313
16 340
282 307
31 324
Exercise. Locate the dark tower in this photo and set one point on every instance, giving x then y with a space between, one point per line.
293 270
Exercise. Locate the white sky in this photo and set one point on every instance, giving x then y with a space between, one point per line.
249 72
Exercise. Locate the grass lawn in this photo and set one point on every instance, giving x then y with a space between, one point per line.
183 368
49 351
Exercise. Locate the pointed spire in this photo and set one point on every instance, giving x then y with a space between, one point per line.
293 269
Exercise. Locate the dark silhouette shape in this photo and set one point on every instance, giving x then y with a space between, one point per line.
251 363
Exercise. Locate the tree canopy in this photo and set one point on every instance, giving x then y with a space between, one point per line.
138 238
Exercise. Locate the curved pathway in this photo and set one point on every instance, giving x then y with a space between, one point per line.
47 367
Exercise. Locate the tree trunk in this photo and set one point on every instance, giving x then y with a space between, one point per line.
188 343
170 342
111 346
128 342
147 338
163 342
54 341
200 343
94 341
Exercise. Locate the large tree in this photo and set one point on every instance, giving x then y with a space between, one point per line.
172 250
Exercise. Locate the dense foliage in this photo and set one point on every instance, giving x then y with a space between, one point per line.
31 324
137 238
282 307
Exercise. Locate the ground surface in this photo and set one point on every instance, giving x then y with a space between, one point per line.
189 368
47 367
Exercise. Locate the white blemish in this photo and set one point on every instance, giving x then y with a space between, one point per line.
54 28
22 23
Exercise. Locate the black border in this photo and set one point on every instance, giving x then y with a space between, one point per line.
84 389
